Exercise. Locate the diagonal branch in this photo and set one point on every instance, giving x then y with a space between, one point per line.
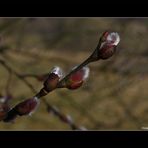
63 118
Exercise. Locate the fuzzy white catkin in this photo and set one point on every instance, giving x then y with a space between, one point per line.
58 71
113 36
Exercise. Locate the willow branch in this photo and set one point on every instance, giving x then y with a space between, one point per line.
50 108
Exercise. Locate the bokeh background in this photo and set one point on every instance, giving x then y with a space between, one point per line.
115 97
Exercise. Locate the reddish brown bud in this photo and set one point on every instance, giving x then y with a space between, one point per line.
109 41
27 107
51 82
3 111
53 79
76 79
2 115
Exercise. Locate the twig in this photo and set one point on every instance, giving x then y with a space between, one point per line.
9 69
61 116
104 50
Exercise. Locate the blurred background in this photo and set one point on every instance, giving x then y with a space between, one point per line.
115 97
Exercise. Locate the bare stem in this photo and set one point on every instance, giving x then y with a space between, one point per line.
49 107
